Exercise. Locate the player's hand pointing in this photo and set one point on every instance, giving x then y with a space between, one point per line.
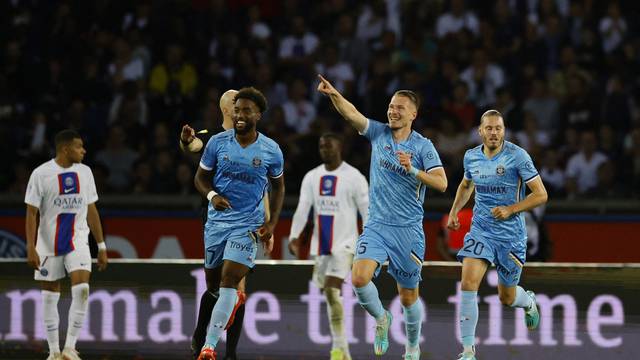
453 223
501 212
220 203
325 86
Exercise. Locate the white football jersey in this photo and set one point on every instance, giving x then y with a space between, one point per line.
336 197
61 196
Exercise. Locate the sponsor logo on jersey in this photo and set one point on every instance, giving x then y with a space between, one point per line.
328 184
68 183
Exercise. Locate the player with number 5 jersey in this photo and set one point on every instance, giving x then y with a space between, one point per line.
498 171
403 164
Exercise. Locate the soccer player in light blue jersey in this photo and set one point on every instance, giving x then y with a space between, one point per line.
403 164
236 168
498 171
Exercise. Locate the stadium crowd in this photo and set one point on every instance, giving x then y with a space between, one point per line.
128 75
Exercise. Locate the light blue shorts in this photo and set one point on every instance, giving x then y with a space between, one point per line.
237 244
402 246
508 256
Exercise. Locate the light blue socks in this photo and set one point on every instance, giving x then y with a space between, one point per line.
370 300
468 317
221 314
413 323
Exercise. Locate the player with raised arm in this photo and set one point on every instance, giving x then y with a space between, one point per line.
498 171
336 191
235 169
403 164
61 210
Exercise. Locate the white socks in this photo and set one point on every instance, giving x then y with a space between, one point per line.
77 313
51 319
335 313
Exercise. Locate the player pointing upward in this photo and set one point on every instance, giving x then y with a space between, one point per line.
403 164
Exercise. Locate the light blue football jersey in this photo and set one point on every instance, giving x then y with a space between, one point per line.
395 197
241 176
499 181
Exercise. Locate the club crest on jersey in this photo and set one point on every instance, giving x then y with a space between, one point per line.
256 162
500 170
328 185
68 183
387 147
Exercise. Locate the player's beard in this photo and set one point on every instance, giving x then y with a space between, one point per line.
493 144
243 130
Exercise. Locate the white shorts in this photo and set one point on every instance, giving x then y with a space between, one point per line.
53 268
336 265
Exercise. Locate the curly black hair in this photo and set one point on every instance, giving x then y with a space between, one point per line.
253 94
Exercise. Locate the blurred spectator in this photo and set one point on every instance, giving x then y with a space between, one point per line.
297 48
174 77
461 108
450 142
456 19
613 28
483 79
544 106
352 49
299 112
553 174
531 137
118 158
143 177
129 108
164 173
616 107
609 184
125 66
338 72
184 179
582 168
631 163
377 18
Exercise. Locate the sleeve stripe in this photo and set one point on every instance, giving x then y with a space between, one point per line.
205 167
531 178
277 176
433 168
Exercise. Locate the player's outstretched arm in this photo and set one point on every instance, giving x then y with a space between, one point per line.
537 197
344 107
463 194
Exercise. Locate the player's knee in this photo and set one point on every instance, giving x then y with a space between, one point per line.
506 299
469 285
230 281
359 280
408 299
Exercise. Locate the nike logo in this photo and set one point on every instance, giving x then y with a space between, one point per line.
66 191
